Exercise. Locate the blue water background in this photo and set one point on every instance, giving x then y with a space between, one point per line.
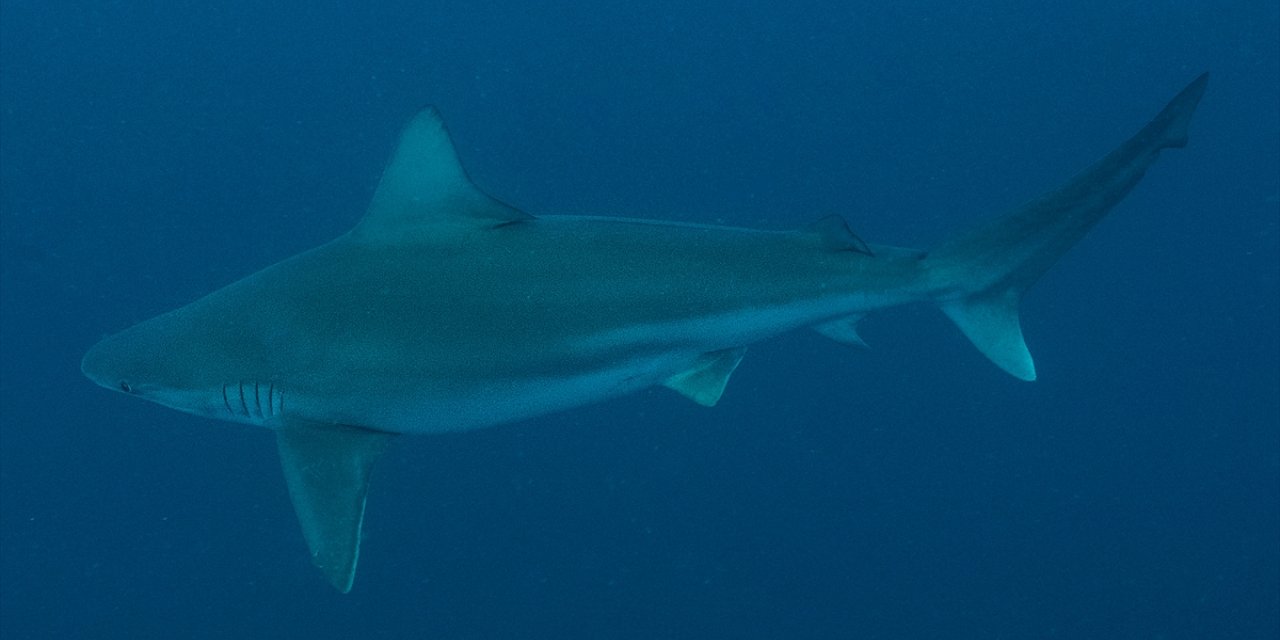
151 152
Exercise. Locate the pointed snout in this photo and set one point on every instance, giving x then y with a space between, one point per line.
102 364
128 361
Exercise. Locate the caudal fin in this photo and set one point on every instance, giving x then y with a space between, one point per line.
981 275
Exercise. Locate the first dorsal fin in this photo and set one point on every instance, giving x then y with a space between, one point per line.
425 193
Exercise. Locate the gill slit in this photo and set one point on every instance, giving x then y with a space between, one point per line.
257 403
244 405
271 408
225 401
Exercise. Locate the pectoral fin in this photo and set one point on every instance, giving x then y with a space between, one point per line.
327 470
704 382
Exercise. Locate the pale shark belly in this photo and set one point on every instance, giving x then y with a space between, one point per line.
576 371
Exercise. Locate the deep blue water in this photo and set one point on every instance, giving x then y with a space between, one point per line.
153 151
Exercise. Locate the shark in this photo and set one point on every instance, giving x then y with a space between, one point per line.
445 309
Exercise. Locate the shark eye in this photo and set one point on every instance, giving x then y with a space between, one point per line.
126 387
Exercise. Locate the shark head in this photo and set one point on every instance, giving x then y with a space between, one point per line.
166 361
136 361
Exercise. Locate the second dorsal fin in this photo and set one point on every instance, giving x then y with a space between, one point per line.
834 234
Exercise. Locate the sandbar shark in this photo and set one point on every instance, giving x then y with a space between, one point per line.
445 309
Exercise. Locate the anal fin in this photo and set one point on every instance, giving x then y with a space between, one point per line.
326 467
704 382
843 330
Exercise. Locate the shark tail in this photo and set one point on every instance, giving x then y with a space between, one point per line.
979 277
